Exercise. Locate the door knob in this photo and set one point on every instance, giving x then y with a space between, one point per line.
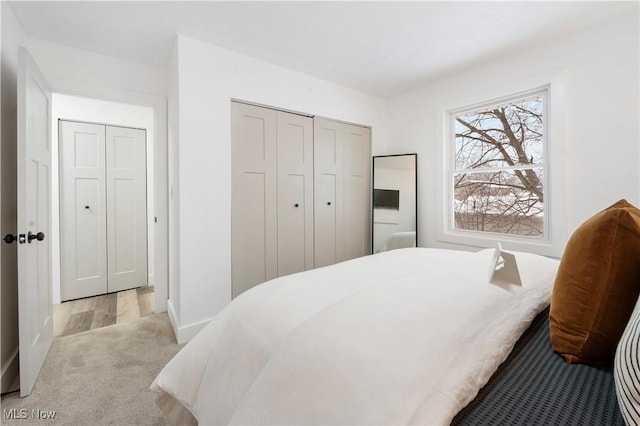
9 238
295 205
39 236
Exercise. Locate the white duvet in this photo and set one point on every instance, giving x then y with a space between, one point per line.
401 337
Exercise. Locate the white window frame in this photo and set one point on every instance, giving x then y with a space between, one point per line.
555 222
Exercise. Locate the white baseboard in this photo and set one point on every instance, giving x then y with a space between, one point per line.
184 333
151 280
9 370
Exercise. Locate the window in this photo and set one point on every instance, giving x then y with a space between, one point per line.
497 174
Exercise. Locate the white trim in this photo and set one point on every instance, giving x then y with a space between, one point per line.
10 370
555 186
184 333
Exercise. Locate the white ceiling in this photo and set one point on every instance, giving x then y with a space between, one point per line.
381 48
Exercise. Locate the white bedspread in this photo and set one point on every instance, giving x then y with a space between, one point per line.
407 336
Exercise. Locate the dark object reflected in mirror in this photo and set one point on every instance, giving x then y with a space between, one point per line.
395 208
386 199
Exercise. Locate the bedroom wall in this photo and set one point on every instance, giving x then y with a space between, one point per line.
601 150
12 37
208 78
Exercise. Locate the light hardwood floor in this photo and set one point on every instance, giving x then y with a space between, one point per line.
90 313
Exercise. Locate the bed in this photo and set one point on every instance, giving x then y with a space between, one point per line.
428 336
534 386
407 336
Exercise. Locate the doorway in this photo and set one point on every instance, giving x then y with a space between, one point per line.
87 110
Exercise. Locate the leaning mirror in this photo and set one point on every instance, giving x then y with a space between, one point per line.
394 216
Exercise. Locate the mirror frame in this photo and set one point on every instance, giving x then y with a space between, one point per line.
373 181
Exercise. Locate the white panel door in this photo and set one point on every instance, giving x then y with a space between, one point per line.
35 303
342 191
328 192
254 246
295 193
126 212
357 190
83 227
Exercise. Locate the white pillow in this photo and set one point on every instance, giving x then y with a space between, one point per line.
626 370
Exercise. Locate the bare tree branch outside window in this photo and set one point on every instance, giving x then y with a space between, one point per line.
498 177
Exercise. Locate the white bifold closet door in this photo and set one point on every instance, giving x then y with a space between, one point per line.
342 191
103 199
295 193
126 208
272 194
300 193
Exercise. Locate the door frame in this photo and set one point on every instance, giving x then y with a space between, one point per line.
160 181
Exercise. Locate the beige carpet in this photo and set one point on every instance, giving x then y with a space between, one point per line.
100 377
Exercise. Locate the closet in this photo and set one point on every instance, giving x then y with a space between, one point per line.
300 193
103 202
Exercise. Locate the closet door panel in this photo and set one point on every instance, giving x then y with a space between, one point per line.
89 253
126 177
254 218
124 238
356 196
249 222
82 210
292 240
328 191
355 237
295 193
326 227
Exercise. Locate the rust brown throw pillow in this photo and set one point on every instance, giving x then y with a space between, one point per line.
596 286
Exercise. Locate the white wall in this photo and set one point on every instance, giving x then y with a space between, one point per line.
173 306
208 78
72 71
84 73
12 37
599 150
66 107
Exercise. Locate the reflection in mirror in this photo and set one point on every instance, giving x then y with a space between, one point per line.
394 202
